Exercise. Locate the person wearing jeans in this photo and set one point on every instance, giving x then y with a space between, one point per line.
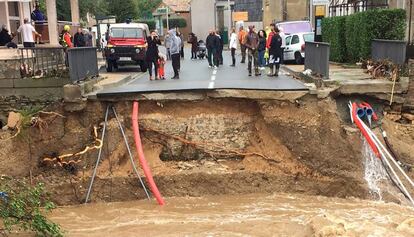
233 46
175 50
251 41
262 49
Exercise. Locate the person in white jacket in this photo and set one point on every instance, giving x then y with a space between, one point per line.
233 46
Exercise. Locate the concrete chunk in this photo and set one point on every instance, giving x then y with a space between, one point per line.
72 93
14 120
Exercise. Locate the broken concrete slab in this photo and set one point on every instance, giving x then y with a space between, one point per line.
258 94
372 86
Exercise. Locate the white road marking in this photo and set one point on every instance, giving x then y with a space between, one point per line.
211 85
213 78
215 72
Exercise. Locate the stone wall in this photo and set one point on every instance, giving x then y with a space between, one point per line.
9 69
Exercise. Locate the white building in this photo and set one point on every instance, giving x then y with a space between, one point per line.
210 14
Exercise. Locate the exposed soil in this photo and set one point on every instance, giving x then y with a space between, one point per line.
211 147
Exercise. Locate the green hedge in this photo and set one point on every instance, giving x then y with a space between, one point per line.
175 22
334 33
350 36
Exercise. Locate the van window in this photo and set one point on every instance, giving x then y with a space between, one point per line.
288 40
127 33
309 37
295 27
295 39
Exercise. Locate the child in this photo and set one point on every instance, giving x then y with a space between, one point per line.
161 63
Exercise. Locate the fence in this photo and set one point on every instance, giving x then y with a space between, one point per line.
317 58
393 50
40 62
83 63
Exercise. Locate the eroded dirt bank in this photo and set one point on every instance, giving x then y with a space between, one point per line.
210 147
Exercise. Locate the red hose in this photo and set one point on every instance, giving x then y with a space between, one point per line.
141 156
364 132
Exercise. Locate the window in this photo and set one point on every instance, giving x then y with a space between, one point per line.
295 39
288 40
309 37
127 33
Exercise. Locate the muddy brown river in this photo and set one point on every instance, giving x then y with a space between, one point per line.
248 215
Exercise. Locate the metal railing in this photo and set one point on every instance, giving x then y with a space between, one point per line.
393 50
317 58
83 63
41 62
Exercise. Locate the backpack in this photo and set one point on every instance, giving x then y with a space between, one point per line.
62 39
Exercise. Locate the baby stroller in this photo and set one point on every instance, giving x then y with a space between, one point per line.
202 50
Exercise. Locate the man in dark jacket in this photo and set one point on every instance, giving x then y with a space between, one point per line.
251 41
275 54
79 39
213 45
5 37
151 55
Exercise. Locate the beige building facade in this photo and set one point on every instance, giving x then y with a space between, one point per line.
285 10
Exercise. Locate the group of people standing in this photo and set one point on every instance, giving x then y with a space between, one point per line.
258 47
156 60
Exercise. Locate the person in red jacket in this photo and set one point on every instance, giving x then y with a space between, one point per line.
271 34
67 37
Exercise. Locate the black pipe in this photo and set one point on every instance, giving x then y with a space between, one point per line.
405 166
409 22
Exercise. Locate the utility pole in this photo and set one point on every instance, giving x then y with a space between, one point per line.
311 12
410 22
230 21
168 19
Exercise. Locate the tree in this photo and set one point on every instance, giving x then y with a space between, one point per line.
95 7
123 10
24 208
146 7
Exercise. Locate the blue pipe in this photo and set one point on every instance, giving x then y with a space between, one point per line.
360 113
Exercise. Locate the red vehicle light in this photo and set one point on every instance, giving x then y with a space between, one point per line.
303 48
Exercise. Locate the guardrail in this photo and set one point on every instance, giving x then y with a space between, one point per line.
317 58
83 63
40 62
393 50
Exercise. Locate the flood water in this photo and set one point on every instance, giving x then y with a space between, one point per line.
242 215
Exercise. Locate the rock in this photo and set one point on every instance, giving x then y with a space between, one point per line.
350 130
75 106
408 116
393 117
14 120
72 93
5 128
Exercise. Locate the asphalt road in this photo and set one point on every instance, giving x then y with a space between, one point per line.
196 75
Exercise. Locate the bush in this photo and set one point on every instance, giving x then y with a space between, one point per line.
333 31
151 23
351 36
25 208
175 22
